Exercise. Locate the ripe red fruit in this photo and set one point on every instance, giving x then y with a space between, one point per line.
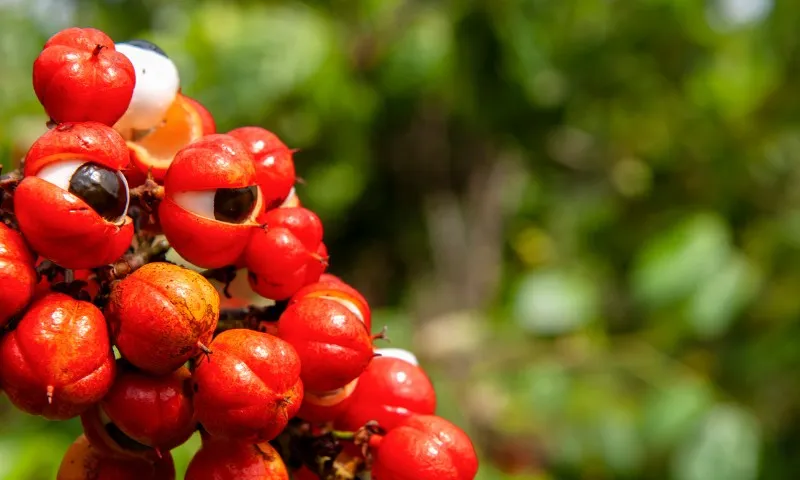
333 344
226 460
85 462
388 392
17 274
424 447
161 316
153 410
274 164
286 254
249 388
72 204
340 292
211 201
326 406
80 77
58 361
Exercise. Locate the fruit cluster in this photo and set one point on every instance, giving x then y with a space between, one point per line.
97 324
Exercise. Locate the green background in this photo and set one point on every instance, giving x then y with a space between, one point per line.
583 215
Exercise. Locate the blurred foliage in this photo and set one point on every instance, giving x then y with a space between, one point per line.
582 214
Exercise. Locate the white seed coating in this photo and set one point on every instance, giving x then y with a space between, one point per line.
157 84
398 353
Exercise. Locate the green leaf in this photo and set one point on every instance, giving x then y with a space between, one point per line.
724 446
675 263
555 302
669 414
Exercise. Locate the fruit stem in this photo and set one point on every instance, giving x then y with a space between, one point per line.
97 49
50 391
341 435
382 335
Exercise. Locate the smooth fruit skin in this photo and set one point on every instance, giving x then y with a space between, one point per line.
153 410
215 161
389 391
17 274
249 388
59 225
209 125
79 77
333 344
327 406
227 460
161 316
84 462
274 164
425 447
58 361
302 222
338 291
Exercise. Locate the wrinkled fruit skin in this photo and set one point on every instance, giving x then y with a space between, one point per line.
17 274
226 460
213 162
340 292
79 77
274 164
59 225
84 462
333 344
60 344
425 447
249 388
154 411
388 392
160 314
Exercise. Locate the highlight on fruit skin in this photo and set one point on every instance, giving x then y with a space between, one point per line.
58 361
231 460
161 316
83 461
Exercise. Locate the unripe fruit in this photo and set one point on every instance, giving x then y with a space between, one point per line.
17 274
273 160
210 201
232 460
154 411
58 361
333 344
388 392
72 204
249 388
84 462
80 77
161 316
424 447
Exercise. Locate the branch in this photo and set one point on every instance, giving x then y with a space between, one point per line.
146 253
252 317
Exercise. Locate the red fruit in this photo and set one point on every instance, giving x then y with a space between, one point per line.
206 119
85 462
154 411
274 164
328 406
80 77
330 278
44 286
302 222
424 447
17 275
58 361
57 206
161 316
333 344
227 460
340 292
304 474
388 392
249 388
211 201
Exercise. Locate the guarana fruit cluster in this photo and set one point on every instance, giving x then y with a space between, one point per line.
97 324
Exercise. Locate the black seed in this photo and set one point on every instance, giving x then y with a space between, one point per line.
102 188
234 205
145 45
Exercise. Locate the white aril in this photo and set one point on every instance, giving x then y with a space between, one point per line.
399 354
157 84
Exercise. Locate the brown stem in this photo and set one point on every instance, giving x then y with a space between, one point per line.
133 261
97 49
249 317
10 180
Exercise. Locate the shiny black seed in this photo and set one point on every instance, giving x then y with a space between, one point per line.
101 188
145 45
234 205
